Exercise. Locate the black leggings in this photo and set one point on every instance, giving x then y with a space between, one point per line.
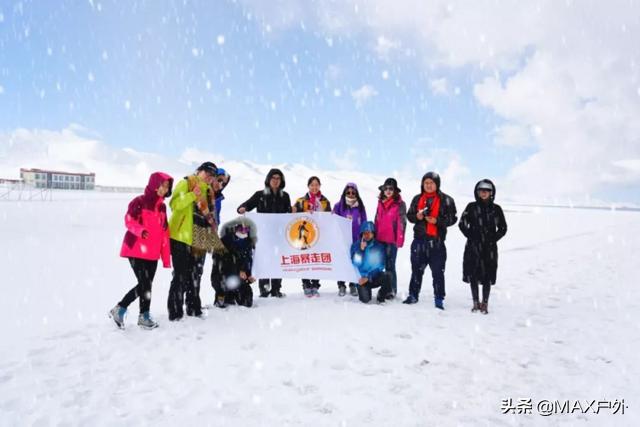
144 270
486 289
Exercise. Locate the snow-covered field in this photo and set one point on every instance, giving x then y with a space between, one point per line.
563 325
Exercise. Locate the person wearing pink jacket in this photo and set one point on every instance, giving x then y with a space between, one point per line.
146 241
390 223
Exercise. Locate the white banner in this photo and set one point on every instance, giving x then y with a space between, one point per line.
304 246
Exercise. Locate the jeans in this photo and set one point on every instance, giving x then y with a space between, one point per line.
432 253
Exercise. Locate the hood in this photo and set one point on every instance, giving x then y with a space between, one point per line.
155 181
230 228
367 226
485 181
272 172
434 176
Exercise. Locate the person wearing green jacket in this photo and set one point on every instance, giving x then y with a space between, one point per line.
189 195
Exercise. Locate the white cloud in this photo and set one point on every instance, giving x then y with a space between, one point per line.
76 149
427 156
569 69
346 160
384 47
363 94
439 86
513 136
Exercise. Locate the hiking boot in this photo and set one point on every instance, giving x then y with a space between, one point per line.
439 303
410 300
264 294
117 314
476 306
145 321
342 291
484 308
278 294
353 291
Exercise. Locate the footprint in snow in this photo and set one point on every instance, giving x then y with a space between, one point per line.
385 352
404 336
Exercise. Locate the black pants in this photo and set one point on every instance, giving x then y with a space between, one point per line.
310 284
486 290
144 270
183 282
276 285
242 295
192 294
432 253
382 280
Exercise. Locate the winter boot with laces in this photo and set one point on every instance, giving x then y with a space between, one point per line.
117 314
145 321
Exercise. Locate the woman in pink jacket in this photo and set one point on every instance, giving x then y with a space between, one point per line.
146 241
391 221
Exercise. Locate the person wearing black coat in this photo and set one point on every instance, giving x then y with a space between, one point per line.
231 273
272 199
483 224
431 212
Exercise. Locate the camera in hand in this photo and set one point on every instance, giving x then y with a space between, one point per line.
427 210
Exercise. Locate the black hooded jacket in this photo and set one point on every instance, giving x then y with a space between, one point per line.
446 215
266 201
483 224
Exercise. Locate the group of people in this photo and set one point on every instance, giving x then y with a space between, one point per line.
196 203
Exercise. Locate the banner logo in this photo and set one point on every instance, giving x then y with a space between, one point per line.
302 233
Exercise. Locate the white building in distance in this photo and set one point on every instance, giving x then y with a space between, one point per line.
40 178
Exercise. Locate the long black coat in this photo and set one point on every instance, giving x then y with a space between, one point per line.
483 224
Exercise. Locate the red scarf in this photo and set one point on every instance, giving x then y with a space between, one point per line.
314 201
432 229
387 203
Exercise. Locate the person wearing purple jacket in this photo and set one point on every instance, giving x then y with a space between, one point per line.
350 206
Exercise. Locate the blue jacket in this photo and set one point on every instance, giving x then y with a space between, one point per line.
218 202
369 262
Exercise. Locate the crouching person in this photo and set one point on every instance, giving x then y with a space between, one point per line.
231 273
368 256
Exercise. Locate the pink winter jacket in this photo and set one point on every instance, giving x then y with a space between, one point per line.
148 213
391 223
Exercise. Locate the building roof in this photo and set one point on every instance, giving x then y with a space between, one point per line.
56 172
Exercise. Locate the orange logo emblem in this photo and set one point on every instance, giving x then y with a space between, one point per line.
302 233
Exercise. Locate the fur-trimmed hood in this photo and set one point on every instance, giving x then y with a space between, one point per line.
230 228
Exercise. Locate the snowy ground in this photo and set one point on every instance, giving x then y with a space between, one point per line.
563 325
